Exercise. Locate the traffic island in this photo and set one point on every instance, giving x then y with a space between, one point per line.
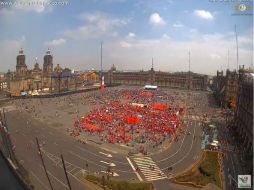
206 171
109 184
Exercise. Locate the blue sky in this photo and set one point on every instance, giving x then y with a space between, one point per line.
132 32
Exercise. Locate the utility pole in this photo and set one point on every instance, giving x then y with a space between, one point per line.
65 172
43 164
236 39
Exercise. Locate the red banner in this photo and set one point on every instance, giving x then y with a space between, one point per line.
132 120
159 106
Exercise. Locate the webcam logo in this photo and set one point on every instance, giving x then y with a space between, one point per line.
244 181
242 7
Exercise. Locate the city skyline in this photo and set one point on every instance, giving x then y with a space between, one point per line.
132 33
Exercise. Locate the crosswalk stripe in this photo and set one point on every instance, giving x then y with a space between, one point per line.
145 161
73 169
151 174
153 179
146 164
143 158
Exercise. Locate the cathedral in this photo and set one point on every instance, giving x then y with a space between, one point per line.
47 79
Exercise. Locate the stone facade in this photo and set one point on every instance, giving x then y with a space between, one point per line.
226 88
53 79
231 89
244 112
187 80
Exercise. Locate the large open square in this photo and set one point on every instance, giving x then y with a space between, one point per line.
126 95
60 124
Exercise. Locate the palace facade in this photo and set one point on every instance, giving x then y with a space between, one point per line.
184 80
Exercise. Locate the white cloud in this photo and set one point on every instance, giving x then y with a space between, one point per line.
215 56
9 50
125 44
178 25
204 14
97 25
131 35
156 19
208 53
247 40
37 6
56 42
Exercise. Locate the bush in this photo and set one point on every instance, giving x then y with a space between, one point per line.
207 171
119 185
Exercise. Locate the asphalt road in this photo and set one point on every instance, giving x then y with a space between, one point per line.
8 179
180 156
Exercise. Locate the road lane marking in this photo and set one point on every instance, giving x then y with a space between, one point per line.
84 150
185 154
164 159
55 178
114 173
102 166
38 179
108 163
105 154
86 159
139 177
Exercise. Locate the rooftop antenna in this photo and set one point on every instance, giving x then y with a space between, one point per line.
236 39
228 59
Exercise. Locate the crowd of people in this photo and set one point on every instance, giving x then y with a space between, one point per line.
132 115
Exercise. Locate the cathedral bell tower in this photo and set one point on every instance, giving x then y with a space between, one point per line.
21 68
48 63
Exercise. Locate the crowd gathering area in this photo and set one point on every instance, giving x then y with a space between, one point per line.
132 116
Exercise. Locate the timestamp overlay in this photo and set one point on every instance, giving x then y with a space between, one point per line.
239 7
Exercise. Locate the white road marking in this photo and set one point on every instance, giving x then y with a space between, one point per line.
164 159
185 154
114 173
105 154
139 177
55 178
97 155
149 168
38 179
108 163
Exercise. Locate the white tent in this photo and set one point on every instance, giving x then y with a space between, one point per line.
150 87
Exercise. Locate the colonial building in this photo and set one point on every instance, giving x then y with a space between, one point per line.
231 89
244 115
226 88
187 80
45 79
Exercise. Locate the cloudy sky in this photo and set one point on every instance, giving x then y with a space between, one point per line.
132 31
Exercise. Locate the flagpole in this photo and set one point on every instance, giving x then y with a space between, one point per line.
101 62
102 77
